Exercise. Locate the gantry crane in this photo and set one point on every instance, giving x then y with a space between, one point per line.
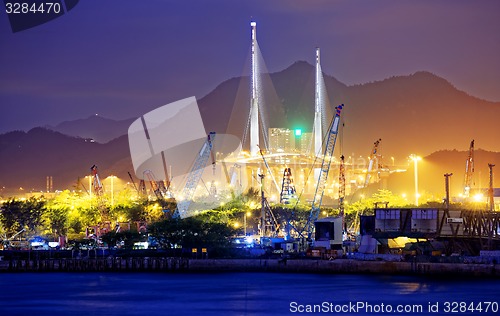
469 170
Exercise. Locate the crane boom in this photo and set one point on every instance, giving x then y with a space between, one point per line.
323 174
194 177
133 182
269 169
154 184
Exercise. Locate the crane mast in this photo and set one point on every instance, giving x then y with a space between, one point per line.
469 170
194 177
99 192
323 174
287 187
96 181
341 185
269 226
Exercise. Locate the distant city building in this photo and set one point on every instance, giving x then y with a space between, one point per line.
304 143
281 140
287 140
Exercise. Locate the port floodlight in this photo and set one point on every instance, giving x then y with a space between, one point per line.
479 197
415 158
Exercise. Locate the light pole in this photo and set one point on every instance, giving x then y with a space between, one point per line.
415 163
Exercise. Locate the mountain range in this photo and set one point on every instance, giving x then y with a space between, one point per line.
416 114
94 127
419 113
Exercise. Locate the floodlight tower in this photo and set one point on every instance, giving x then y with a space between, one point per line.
254 106
318 135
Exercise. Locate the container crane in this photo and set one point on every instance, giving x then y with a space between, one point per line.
469 170
194 177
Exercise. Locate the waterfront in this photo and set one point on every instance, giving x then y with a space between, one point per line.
226 293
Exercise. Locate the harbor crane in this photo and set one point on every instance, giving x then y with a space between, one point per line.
133 183
469 170
194 177
374 158
98 190
269 226
156 186
288 192
341 185
323 174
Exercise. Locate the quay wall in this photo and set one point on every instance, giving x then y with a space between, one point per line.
344 266
170 264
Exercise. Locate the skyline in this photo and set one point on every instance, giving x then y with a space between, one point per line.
129 59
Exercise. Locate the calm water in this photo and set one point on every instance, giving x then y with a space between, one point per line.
228 293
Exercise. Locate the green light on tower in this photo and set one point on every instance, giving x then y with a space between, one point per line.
298 132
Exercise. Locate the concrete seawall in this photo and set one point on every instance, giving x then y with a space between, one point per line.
343 266
112 264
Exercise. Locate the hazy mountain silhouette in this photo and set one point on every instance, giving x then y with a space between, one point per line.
29 157
96 127
420 113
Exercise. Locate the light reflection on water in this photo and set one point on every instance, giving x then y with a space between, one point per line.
411 287
220 294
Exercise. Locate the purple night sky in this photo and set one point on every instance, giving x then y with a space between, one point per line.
122 58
